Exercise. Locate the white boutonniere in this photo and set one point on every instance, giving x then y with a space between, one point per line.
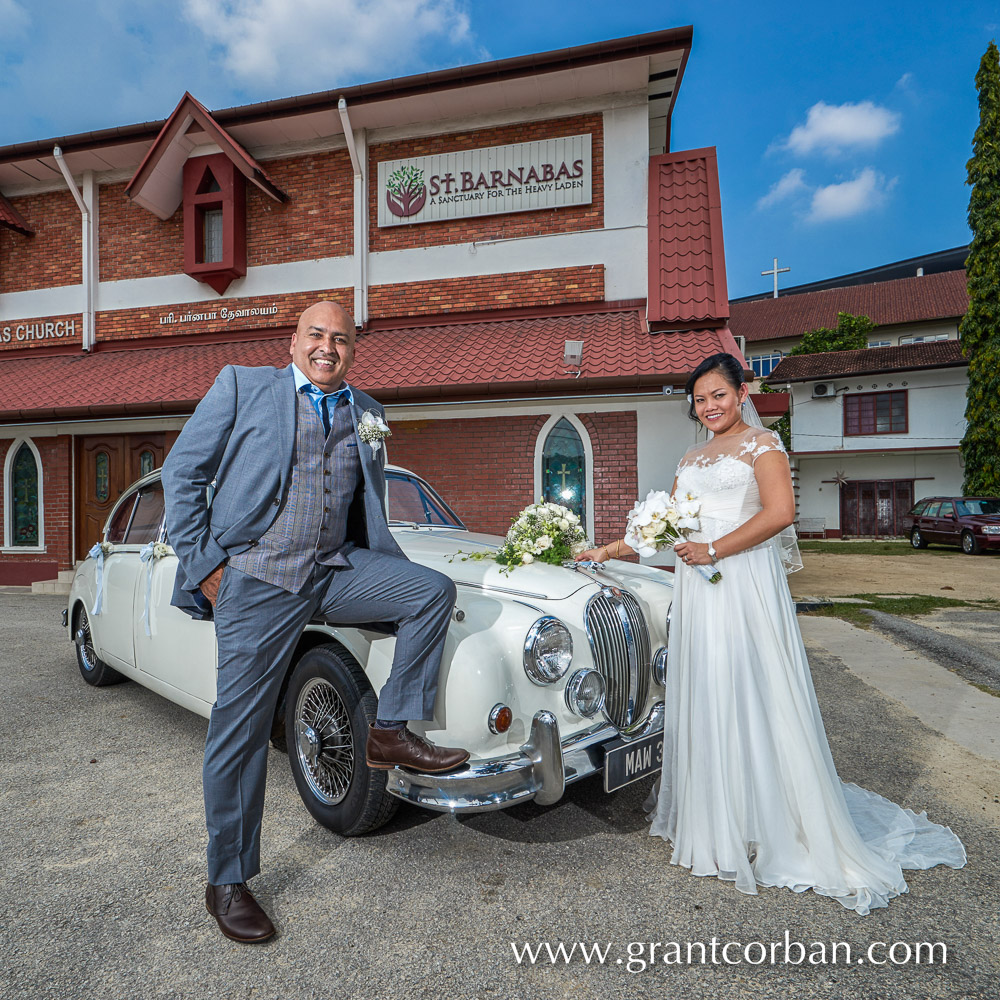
373 430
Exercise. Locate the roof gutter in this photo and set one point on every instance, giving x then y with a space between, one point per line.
358 160
88 269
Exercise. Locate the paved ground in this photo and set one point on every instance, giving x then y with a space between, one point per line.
101 846
937 571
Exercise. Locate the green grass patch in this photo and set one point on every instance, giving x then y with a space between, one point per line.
908 607
900 548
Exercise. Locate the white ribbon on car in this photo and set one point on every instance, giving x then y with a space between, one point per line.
97 553
148 554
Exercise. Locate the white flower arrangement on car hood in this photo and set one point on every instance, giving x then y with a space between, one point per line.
546 532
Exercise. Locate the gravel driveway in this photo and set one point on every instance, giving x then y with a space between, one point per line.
102 851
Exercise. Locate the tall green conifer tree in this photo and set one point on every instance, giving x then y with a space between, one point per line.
980 329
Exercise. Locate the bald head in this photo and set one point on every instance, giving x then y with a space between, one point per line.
323 344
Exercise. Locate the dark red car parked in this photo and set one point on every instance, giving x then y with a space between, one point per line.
973 523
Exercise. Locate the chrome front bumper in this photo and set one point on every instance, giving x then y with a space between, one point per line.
540 771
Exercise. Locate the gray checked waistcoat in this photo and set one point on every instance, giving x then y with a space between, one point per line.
312 525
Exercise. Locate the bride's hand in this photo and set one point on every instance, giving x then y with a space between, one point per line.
600 554
693 553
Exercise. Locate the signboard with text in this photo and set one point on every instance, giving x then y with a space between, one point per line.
525 177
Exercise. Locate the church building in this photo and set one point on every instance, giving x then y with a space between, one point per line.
533 270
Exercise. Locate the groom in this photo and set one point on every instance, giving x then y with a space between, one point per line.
296 530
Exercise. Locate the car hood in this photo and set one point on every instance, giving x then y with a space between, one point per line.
443 549
981 519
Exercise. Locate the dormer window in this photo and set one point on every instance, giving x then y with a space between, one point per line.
215 237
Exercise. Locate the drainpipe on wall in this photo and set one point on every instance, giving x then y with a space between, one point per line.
87 213
358 159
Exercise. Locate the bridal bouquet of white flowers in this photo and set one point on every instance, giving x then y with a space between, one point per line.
546 532
662 520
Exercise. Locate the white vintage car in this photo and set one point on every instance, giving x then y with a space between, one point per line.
550 674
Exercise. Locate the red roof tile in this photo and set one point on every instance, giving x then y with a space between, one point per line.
470 360
870 361
885 303
12 218
687 267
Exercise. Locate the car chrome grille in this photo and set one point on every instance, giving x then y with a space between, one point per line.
619 642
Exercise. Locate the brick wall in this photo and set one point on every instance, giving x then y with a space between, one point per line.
483 467
134 243
616 474
490 227
19 569
128 324
550 287
316 221
49 258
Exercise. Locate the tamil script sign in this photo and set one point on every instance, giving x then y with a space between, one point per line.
526 177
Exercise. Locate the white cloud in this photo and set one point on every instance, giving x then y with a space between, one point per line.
792 183
13 18
866 191
831 128
319 44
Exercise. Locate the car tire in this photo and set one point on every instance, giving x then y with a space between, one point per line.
328 709
917 540
970 544
93 669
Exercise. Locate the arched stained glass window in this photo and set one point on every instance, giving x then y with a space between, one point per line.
24 492
145 463
564 469
101 464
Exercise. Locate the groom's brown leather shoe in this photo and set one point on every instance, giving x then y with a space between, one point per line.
388 748
239 915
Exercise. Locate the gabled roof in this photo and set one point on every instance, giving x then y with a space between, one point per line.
12 218
885 303
158 183
870 361
687 265
471 360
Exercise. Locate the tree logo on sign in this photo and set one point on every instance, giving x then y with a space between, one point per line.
405 192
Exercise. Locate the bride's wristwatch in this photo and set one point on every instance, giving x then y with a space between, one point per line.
712 553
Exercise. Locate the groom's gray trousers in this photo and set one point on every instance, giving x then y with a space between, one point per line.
257 626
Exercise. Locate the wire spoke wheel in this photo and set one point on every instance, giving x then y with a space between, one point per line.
324 740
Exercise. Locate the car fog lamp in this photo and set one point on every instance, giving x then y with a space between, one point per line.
548 650
500 719
660 666
585 693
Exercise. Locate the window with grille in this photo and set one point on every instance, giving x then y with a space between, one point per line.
875 413
764 364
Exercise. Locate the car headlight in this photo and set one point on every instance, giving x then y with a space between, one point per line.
585 693
548 650
660 666
991 529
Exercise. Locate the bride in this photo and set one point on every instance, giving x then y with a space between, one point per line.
749 791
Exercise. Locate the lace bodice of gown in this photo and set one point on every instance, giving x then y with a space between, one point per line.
720 474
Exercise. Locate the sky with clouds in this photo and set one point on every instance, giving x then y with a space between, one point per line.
842 130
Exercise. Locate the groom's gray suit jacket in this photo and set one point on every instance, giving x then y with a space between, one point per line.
242 438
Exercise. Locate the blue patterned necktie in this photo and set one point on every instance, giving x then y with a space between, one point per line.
324 402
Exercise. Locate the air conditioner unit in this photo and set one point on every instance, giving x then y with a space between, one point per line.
824 390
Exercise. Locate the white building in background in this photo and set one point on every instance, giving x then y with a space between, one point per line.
873 431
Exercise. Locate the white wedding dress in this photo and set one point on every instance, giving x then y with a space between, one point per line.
749 791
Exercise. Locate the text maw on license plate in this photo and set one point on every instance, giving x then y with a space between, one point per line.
628 762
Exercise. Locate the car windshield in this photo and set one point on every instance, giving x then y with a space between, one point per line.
412 501
987 505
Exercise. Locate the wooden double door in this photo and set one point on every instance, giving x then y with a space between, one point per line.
106 465
874 509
